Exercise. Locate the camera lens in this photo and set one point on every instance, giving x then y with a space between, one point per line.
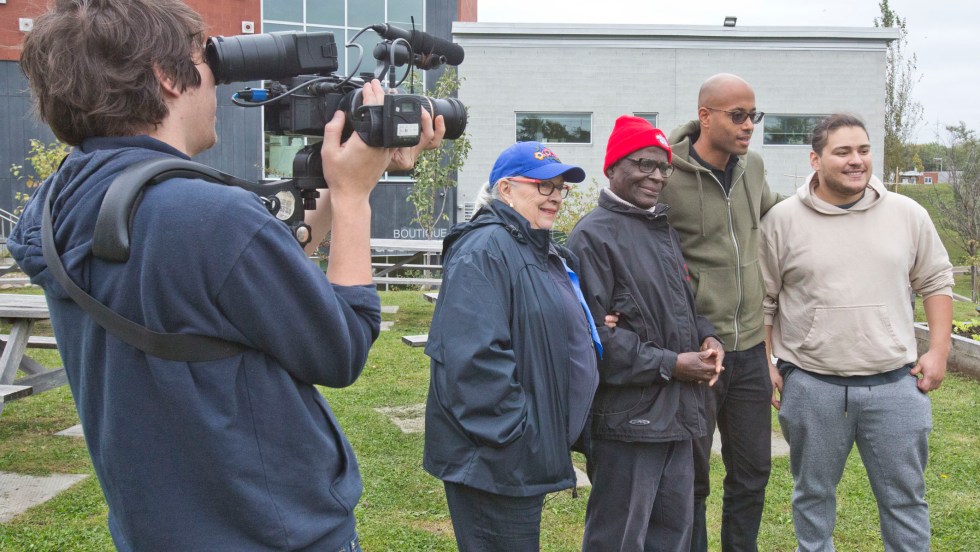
454 113
270 56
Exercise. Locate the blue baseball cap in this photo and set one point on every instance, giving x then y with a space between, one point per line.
533 160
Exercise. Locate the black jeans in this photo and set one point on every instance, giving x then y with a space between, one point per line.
487 522
741 401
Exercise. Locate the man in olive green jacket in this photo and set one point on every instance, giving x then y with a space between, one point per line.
717 196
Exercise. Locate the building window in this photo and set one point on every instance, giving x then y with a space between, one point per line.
283 10
279 154
789 130
564 128
652 118
344 18
405 13
325 12
928 179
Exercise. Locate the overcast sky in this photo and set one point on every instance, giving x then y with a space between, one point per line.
944 35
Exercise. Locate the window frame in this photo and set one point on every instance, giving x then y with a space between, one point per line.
345 60
645 115
808 137
544 140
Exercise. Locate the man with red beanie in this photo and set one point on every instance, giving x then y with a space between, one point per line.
650 404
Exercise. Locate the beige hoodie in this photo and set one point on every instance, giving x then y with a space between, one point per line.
837 281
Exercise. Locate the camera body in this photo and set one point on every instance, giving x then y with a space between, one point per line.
305 91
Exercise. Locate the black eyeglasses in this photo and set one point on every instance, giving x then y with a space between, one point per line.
739 116
648 165
545 187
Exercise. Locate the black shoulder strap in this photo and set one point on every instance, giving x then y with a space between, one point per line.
115 220
169 346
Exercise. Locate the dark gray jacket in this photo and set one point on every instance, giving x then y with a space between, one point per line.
497 416
631 263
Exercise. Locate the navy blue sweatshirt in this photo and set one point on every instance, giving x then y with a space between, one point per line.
235 454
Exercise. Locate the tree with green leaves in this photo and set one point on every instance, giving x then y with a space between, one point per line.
44 160
902 113
933 155
959 209
436 170
582 199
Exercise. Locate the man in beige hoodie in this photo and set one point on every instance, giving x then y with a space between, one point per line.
838 259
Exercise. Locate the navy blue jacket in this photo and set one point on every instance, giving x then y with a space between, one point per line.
632 264
497 416
236 454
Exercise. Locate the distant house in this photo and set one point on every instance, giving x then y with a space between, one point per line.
910 177
925 177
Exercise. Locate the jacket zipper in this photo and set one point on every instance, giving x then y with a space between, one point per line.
564 412
738 254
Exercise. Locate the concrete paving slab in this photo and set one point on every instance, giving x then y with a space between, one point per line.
779 445
73 431
20 492
389 309
386 325
409 418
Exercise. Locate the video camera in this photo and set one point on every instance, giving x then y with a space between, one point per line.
303 93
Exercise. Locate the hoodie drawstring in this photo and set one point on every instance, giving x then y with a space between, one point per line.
697 173
752 207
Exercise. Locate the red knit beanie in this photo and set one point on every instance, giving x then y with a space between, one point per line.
630 134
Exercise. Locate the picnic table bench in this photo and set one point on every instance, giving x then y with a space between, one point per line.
414 251
23 312
421 340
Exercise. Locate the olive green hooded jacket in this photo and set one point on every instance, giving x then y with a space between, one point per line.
719 236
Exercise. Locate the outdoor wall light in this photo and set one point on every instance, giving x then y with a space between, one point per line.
730 21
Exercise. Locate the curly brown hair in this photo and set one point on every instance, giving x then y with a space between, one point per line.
92 64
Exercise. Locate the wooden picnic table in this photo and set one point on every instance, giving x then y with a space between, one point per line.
23 312
414 251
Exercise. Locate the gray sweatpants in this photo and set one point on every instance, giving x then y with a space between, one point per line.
890 424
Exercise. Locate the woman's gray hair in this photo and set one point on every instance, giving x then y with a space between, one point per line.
486 195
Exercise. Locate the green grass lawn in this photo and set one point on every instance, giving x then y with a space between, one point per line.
928 196
403 508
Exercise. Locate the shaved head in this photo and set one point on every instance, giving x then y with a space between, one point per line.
719 88
723 99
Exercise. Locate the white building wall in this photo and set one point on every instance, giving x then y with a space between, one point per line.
610 71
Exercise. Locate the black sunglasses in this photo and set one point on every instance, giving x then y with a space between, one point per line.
649 165
739 116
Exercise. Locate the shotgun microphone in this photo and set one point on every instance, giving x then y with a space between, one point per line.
423 43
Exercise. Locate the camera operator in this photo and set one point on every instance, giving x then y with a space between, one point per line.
240 453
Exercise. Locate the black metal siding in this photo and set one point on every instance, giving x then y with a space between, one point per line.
18 124
239 148
238 152
392 214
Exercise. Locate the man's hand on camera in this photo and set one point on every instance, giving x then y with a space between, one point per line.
352 169
353 166
404 158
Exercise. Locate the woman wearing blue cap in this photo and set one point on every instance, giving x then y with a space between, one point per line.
513 357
